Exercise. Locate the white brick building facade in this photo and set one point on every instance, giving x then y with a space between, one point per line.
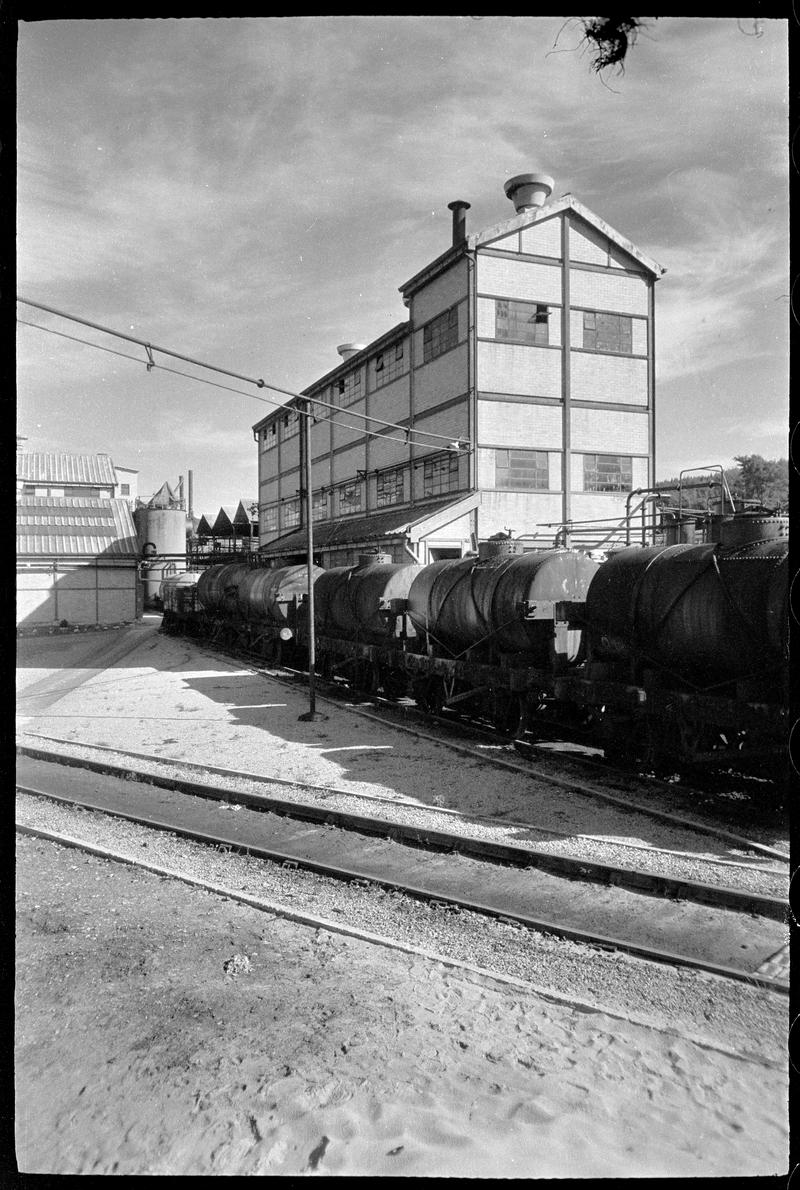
532 345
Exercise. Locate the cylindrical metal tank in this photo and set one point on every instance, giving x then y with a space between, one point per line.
161 531
356 602
266 595
177 590
218 586
742 528
466 602
700 612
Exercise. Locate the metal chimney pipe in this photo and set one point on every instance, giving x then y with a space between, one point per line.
180 489
459 209
191 494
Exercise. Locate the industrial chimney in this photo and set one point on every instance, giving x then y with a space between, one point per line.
528 191
347 349
459 209
190 509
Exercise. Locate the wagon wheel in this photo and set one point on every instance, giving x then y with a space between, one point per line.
361 676
507 712
394 681
435 695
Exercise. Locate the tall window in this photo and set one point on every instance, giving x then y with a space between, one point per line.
124 489
440 334
607 473
290 514
349 498
440 475
269 518
269 435
290 426
389 364
607 332
391 487
319 506
521 470
526 322
348 388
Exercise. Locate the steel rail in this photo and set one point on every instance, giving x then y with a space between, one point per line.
570 867
339 791
563 782
420 893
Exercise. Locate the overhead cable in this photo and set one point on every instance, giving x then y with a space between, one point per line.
227 388
258 382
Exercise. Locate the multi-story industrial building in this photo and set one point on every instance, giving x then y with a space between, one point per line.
521 395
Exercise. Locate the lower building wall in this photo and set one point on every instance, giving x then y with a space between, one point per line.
522 512
48 593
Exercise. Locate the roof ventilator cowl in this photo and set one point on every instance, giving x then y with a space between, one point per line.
347 349
529 191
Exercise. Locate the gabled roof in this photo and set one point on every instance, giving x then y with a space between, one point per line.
75 526
204 527
243 516
55 467
483 239
223 525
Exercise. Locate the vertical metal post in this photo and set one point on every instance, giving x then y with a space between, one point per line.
305 484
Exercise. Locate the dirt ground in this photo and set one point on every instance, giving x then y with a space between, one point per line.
166 1030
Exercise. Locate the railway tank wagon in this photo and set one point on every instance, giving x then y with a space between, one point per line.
488 632
359 621
269 603
688 646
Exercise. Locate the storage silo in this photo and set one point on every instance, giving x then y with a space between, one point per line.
162 537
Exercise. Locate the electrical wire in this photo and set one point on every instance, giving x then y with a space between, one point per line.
253 396
259 383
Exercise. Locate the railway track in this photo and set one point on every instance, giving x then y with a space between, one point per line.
732 933
389 712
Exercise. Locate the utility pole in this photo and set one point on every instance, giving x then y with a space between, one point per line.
312 714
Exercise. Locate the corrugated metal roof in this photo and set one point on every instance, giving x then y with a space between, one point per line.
75 526
59 467
395 522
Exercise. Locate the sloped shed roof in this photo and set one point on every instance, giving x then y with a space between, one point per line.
369 529
75 527
59 467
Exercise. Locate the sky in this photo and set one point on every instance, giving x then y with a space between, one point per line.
251 192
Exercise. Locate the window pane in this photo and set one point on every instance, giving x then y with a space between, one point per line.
607 332
440 475
440 334
607 473
390 487
522 470
525 322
